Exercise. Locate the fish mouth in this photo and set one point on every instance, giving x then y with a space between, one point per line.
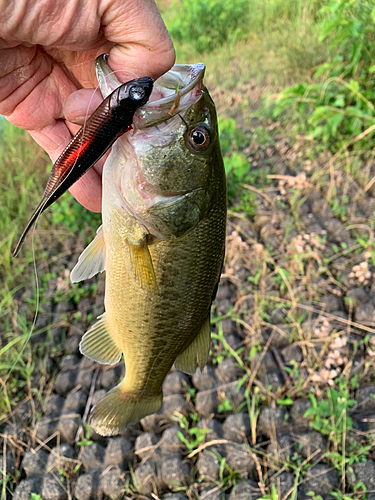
173 92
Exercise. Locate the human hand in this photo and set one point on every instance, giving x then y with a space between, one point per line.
47 75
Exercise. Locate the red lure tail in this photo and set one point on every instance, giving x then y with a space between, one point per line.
111 119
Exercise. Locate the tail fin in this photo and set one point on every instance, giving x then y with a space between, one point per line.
119 408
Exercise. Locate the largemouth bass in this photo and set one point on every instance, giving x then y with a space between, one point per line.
110 120
161 244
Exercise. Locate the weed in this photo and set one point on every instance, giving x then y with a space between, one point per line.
337 106
209 24
193 436
330 416
86 441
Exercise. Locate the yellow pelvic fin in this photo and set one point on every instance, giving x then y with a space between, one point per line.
98 345
197 351
91 261
119 408
141 268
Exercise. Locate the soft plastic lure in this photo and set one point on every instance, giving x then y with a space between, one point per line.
109 121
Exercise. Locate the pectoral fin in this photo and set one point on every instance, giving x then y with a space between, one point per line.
197 351
98 345
91 261
140 266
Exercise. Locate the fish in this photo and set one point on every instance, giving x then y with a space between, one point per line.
161 245
112 118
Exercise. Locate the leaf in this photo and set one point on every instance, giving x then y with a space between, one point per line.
334 122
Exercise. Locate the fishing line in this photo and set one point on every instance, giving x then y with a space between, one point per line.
36 306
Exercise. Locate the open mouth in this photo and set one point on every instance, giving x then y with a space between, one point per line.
173 92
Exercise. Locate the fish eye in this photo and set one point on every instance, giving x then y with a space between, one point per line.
199 138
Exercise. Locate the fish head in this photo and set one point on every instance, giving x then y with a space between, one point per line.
167 166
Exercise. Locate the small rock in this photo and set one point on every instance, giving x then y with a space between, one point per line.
152 423
172 403
236 427
54 405
331 303
357 297
233 341
229 327
280 335
298 411
84 379
93 456
365 397
170 443
72 344
68 427
272 420
236 396
28 486
118 451
208 465
174 471
364 472
224 292
245 490
75 402
238 458
145 478
228 370
8 466
273 380
97 396
35 462
223 307
175 496
365 314
205 379
59 456
88 486
45 427
65 382
89 364
52 489
109 378
84 305
207 402
112 483
210 494
214 426
263 363
292 353
310 443
175 383
64 306
278 316
70 362
283 483
282 447
321 479
145 445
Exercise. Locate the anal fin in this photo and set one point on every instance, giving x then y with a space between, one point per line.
98 345
196 352
91 261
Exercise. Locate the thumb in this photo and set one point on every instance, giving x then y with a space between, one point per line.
143 46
